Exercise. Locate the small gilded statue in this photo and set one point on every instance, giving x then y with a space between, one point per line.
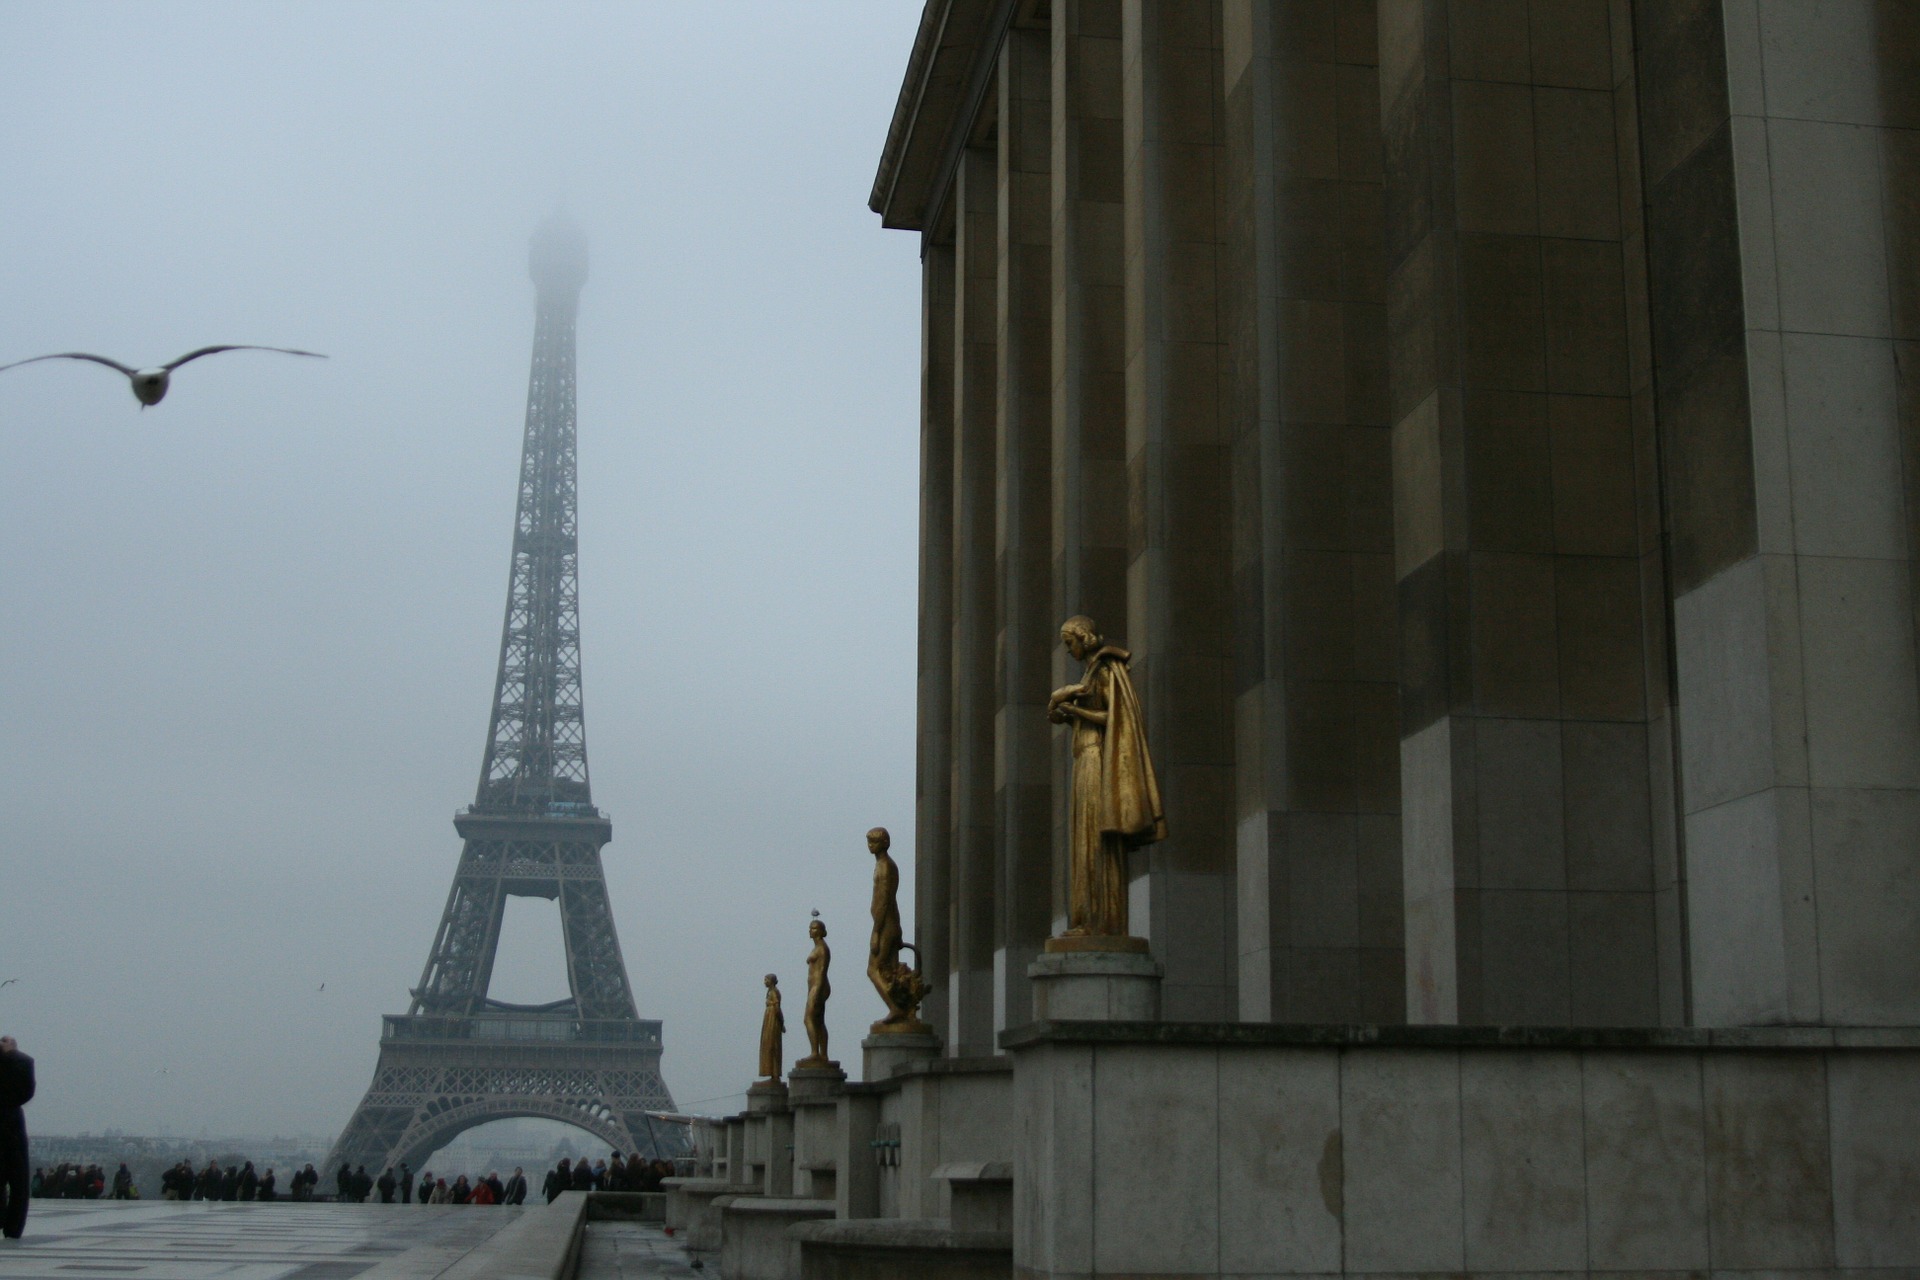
900 987
815 1017
1115 801
773 1025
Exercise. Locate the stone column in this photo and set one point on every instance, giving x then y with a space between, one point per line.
975 600
1316 695
933 836
1533 744
1783 246
1089 528
1023 776
1179 571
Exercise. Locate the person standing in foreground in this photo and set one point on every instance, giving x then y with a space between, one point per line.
16 1090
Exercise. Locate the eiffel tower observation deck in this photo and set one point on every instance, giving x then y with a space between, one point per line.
459 1058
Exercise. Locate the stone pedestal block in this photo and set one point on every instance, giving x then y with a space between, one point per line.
1095 986
814 1094
882 1052
980 1194
815 1084
755 1244
691 1209
766 1096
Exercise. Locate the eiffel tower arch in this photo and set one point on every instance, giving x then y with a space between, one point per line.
459 1058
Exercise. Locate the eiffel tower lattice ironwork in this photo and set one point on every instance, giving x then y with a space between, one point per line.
458 1058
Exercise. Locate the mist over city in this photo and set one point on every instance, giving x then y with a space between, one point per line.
251 632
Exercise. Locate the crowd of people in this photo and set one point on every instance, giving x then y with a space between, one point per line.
637 1174
80 1182
242 1181
234 1182
618 1174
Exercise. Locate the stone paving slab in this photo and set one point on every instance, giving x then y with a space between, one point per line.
164 1240
635 1251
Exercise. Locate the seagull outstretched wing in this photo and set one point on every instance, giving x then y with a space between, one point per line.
75 355
171 365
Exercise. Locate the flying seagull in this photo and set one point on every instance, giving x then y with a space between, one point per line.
150 385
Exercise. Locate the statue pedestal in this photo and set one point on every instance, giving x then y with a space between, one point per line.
1095 980
884 1050
814 1094
808 1083
766 1096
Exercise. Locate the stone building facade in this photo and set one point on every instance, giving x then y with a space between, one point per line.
1492 426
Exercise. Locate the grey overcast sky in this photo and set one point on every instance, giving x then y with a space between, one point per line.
248 637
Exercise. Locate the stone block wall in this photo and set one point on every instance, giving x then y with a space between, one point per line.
1491 425
1198 1152
1783 214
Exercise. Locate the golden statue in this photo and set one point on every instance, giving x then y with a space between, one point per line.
773 1024
902 988
815 1017
1115 802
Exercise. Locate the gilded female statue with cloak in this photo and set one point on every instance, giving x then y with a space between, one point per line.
1114 804
773 1025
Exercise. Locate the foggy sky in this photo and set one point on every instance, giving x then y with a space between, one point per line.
249 636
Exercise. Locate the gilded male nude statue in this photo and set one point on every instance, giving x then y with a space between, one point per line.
900 987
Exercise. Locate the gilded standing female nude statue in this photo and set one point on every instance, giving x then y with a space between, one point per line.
814 1016
1114 804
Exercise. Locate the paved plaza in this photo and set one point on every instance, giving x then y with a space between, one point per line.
633 1251
160 1240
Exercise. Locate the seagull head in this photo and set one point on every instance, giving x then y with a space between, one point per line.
149 385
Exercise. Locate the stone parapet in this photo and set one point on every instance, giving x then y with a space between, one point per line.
888 1248
1191 1149
756 1244
691 1211
541 1244
1304 1035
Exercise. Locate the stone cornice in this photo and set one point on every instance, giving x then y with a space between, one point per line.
952 52
1311 1035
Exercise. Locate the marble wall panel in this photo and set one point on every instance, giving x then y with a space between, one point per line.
1280 1163
1646 1163
1401 1155
1769 1184
1156 1110
1875 1119
1523 1162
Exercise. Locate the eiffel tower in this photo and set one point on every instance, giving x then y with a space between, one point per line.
458 1058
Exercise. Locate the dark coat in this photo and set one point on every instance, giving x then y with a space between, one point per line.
16 1090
